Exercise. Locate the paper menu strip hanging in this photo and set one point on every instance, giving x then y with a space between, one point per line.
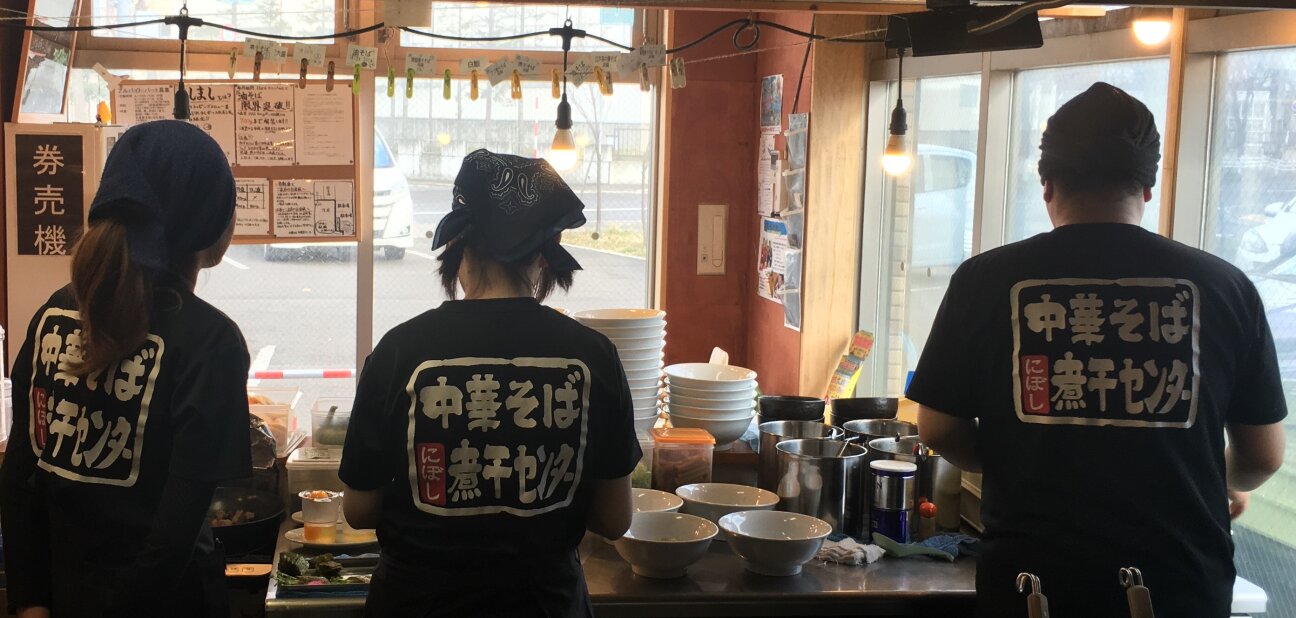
314 208
211 108
324 132
144 103
264 125
251 207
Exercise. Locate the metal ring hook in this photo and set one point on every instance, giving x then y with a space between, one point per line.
1023 578
752 25
1130 577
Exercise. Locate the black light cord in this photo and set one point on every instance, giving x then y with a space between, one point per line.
805 61
83 28
314 37
482 39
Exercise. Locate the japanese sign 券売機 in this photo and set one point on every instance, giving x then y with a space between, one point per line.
1100 352
497 436
50 192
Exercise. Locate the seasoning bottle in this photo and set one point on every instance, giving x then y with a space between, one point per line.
893 498
926 520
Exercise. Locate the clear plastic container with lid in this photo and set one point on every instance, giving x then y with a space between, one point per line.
681 456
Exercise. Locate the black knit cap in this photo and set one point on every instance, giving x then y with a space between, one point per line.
518 205
1102 133
170 184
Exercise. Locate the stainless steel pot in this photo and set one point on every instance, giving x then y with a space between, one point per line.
864 431
825 479
773 432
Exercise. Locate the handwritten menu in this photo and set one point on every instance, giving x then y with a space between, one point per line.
140 104
323 119
264 125
211 108
314 208
251 206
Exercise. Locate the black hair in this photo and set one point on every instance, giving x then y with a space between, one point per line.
517 271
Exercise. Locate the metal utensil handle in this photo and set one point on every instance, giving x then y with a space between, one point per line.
1036 602
1138 595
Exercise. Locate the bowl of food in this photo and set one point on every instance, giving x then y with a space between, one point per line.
774 543
712 501
663 545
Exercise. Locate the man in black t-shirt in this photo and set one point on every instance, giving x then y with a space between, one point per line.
1092 373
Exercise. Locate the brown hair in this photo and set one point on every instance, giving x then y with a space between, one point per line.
452 260
113 294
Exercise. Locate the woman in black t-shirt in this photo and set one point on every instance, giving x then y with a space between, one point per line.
130 398
489 433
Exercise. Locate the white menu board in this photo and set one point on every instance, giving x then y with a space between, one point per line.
314 208
211 108
323 121
264 125
251 207
144 103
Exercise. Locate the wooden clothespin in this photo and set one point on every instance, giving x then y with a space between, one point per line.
256 66
645 79
473 91
445 88
233 63
301 77
355 79
555 85
515 85
328 80
391 82
678 79
409 83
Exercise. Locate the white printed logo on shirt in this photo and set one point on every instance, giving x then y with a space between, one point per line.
1106 352
89 429
491 435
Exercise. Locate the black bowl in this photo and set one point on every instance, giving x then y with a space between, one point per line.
864 408
790 408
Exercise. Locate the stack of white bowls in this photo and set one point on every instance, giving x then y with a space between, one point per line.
718 398
639 336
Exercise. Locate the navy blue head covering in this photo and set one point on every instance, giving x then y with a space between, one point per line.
518 205
1104 133
170 184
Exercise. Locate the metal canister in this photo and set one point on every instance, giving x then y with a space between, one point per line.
823 478
893 498
773 432
864 431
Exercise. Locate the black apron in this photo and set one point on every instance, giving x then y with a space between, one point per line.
548 586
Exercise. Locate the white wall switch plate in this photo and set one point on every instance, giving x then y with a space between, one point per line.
712 223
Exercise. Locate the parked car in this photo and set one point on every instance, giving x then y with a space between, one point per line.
944 190
1272 241
393 213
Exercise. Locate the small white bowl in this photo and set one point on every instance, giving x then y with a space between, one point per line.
716 400
652 364
654 501
707 407
644 425
633 355
713 501
706 393
774 543
675 409
706 375
725 431
645 383
639 375
644 403
620 317
622 332
638 344
663 545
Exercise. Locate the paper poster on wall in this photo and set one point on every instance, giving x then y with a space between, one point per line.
211 108
314 208
140 104
251 207
771 104
771 259
264 124
49 191
767 176
324 135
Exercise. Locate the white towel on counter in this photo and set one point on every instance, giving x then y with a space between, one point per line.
850 552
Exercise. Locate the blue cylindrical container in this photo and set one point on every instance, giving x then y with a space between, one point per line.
893 499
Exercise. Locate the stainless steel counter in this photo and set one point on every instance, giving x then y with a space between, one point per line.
717 585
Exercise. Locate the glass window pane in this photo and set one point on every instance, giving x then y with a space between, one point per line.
1251 221
479 19
1037 94
289 17
931 212
429 136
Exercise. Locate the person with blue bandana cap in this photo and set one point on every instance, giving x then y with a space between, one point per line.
130 399
488 434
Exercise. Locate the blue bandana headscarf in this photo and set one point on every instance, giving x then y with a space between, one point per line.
170 184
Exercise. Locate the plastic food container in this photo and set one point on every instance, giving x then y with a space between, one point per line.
277 412
681 456
642 475
310 469
329 428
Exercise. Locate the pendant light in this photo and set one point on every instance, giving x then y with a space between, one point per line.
1151 26
896 159
562 152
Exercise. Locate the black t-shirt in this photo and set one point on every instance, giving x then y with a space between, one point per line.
1103 363
484 423
102 447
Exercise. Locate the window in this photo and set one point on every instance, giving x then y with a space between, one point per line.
1037 93
429 136
931 212
290 17
487 20
1250 220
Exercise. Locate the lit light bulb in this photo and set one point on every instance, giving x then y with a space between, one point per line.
896 159
1152 31
443 139
562 153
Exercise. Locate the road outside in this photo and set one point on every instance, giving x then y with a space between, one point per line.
301 313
